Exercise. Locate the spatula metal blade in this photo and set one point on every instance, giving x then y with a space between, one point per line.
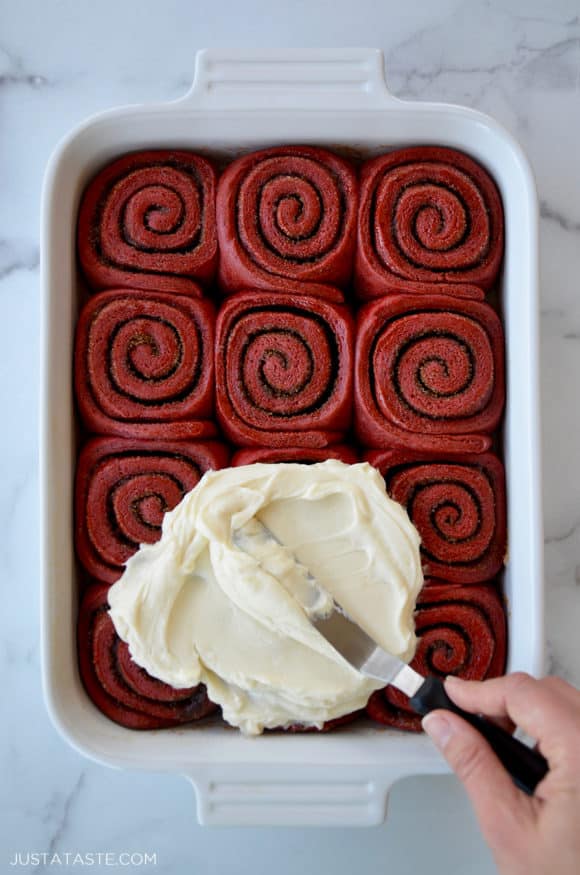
365 655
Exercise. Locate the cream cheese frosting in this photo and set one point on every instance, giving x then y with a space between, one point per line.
218 600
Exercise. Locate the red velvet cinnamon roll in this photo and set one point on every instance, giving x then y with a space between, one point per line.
283 370
123 489
461 631
144 365
287 217
458 507
147 221
428 215
429 373
120 688
302 455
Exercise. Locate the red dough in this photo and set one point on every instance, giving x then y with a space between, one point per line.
283 370
429 373
295 454
428 215
419 380
461 631
144 365
124 487
457 506
120 688
287 217
147 221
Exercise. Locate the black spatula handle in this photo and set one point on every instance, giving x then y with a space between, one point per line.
526 766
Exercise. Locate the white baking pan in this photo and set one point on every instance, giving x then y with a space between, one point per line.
241 101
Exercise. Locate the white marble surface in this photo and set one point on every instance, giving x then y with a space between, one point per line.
63 60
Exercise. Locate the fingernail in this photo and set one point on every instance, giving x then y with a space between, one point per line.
452 681
438 729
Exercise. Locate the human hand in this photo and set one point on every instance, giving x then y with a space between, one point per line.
527 835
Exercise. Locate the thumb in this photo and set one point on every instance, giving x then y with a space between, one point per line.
501 809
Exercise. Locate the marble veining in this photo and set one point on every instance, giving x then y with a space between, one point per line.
550 214
60 62
58 812
15 256
13 72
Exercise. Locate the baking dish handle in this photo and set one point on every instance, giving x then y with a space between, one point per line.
289 78
312 796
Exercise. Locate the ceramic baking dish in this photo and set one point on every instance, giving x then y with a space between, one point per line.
241 101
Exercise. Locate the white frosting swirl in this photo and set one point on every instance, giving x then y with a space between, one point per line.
215 601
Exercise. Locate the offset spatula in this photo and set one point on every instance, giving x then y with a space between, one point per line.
526 766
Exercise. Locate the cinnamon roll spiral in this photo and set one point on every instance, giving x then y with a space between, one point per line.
287 217
427 215
123 489
147 221
144 365
429 373
458 507
283 370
